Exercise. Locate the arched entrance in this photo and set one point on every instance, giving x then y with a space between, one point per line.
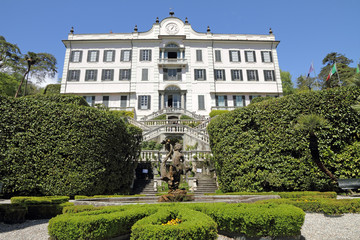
172 97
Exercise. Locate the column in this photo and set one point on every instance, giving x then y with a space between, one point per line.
183 100
161 101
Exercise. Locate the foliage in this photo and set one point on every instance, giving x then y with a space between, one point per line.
79 197
9 54
8 84
321 205
160 117
214 113
151 145
48 147
60 98
122 113
10 213
186 117
260 99
287 84
343 73
39 200
284 194
304 83
257 148
346 160
52 89
80 208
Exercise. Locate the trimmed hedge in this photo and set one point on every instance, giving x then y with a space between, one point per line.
194 225
214 113
79 197
11 214
52 89
122 113
321 205
39 200
284 194
60 98
52 148
257 148
107 222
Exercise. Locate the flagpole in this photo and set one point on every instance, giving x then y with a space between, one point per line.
316 78
338 75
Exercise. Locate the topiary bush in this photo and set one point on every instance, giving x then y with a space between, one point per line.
52 89
214 113
50 145
257 148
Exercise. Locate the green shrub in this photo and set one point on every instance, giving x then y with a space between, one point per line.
52 148
194 225
12 213
52 89
45 211
39 200
261 99
80 208
160 117
214 113
283 194
122 113
60 98
186 117
257 148
79 197
100 224
326 206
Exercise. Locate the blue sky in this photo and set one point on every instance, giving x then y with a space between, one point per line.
307 30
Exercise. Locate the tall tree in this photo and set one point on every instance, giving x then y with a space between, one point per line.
9 54
306 83
38 65
343 73
287 84
310 124
8 84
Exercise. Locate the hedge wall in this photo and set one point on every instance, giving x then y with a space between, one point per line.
49 147
52 89
257 148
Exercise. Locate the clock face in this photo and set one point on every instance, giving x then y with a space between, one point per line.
172 28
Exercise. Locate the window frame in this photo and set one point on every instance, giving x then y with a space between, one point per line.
219 75
272 76
145 55
107 101
243 100
233 75
256 75
87 73
199 57
217 100
105 57
127 75
122 55
90 55
201 99
122 101
144 99
72 55
144 74
197 76
104 73
217 55
70 75
247 56
263 56
231 56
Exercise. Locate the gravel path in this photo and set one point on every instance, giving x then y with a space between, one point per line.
316 227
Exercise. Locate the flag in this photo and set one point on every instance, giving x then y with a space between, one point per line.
332 71
357 69
310 70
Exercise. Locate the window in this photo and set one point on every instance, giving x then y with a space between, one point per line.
125 74
201 102
125 56
123 101
200 74
234 56
266 56
106 101
75 56
198 55
239 101
221 100
217 56
251 97
93 56
252 75
145 73
269 75
236 75
109 55
90 75
250 56
145 55
107 75
172 74
144 102
73 75
90 100
219 74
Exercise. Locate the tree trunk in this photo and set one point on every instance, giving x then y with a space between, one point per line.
21 83
314 149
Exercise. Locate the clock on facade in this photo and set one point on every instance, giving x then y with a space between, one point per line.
172 28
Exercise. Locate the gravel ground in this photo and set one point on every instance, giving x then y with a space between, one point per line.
316 227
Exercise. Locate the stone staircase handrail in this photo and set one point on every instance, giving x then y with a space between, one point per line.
138 124
173 110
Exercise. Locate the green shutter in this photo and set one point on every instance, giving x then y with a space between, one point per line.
254 54
139 99
204 71
149 102
149 55
113 56
165 73
246 56
230 55
224 78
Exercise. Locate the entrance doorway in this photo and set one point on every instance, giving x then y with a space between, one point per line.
172 100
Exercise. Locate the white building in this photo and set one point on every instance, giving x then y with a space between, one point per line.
171 65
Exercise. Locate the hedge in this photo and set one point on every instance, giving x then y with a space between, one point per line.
52 89
256 148
87 222
214 113
79 197
60 98
39 200
326 206
194 225
284 194
11 213
51 146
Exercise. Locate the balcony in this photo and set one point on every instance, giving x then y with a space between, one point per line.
166 62
229 108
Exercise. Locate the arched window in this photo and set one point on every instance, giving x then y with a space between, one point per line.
172 88
172 45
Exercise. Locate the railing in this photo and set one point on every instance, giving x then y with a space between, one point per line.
176 129
194 155
224 108
172 61
138 124
174 110
132 109
155 123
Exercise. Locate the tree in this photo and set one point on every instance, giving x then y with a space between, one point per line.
344 72
310 124
306 83
9 54
8 84
39 65
287 84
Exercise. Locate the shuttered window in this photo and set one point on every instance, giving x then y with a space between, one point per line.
93 56
73 75
219 74
221 100
234 56
91 75
109 55
125 74
123 101
144 75
90 100
199 55
236 75
75 56
200 74
269 75
144 102
250 56
239 100
217 56
145 55
106 101
107 75
266 56
201 102
125 56
252 75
